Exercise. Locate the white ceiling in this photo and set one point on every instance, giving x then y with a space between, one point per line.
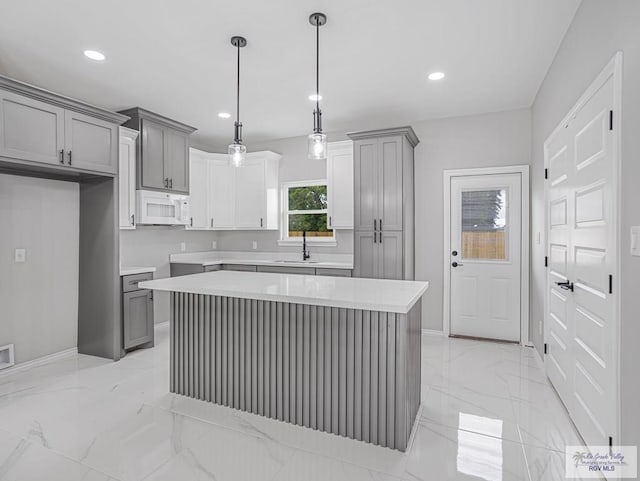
174 58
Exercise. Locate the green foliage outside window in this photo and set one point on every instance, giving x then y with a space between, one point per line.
309 198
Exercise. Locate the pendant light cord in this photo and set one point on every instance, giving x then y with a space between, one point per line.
317 64
238 87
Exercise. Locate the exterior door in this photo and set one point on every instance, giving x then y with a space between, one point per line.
581 322
485 260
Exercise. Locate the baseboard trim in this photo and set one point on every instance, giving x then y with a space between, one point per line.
432 332
23 366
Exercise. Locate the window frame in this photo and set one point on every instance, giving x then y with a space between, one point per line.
285 213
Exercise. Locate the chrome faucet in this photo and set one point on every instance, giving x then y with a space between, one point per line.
305 253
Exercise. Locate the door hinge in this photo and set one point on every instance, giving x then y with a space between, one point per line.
546 173
546 261
546 348
610 284
610 119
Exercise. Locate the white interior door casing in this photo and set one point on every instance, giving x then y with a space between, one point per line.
581 325
486 269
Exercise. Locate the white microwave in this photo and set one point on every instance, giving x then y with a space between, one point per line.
161 208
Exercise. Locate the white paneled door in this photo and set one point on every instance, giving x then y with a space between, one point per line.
485 257
581 319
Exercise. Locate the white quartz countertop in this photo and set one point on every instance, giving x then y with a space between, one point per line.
290 259
129 270
349 292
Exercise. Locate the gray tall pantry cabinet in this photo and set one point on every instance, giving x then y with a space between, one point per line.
384 203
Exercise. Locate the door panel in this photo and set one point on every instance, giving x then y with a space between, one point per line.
199 193
127 187
390 248
581 352
390 184
138 318
152 172
366 255
486 228
90 143
250 211
177 161
366 184
30 130
222 195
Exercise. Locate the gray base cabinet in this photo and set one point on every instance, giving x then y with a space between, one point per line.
384 203
179 269
137 313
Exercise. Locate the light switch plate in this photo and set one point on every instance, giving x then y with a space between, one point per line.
183 246
214 244
255 245
635 241
20 255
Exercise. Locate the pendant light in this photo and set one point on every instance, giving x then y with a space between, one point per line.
237 151
317 140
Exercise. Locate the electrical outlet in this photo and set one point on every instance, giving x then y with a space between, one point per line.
214 244
255 245
20 255
183 246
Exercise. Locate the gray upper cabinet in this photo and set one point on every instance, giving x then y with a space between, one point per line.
163 151
90 143
40 127
384 203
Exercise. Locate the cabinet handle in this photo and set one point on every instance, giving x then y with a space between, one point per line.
380 225
330 223
166 182
212 222
62 156
171 183
69 154
374 237
375 225
191 221
261 222
380 237
133 219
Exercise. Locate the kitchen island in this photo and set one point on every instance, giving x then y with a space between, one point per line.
340 355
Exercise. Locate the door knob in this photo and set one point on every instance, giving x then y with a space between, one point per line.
567 286
455 264
454 253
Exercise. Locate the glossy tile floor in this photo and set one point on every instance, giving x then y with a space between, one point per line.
487 414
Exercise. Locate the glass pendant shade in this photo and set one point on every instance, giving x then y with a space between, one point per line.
237 154
317 146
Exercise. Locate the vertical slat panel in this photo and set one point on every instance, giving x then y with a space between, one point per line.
280 346
255 360
207 349
358 371
382 378
366 376
219 348
292 363
286 363
320 376
342 372
391 380
401 387
242 355
305 318
328 355
172 341
313 367
192 342
224 318
350 366
236 352
299 363
267 357
375 356
261 357
335 373
198 338
273 349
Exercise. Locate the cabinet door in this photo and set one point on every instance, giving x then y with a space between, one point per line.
199 194
390 183
90 143
30 130
138 318
250 210
151 172
390 262
340 186
177 161
366 174
221 195
366 255
127 186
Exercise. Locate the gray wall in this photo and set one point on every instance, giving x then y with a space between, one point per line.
39 298
488 140
150 246
599 30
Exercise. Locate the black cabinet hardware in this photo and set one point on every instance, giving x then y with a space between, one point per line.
69 155
456 264
567 286
62 156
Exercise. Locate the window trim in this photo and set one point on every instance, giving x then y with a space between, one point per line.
285 240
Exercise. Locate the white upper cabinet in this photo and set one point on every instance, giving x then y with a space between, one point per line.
90 143
224 197
340 185
199 190
127 177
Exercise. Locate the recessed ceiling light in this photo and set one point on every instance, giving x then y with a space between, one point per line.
436 76
315 98
224 115
94 55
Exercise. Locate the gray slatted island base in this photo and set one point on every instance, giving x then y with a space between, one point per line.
340 355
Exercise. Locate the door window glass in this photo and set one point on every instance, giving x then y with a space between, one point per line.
484 224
